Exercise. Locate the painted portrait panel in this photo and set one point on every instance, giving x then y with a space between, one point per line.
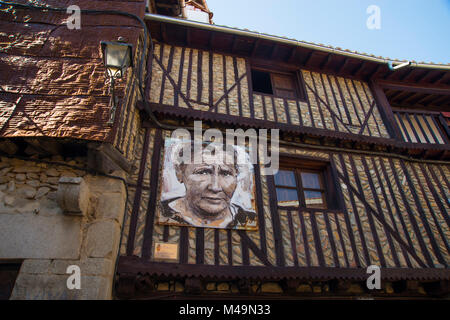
214 192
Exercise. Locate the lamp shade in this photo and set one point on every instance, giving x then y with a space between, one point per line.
116 57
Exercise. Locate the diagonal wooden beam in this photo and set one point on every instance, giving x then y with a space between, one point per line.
437 100
406 74
326 61
422 76
422 100
292 54
366 120
274 51
343 65
358 68
308 57
381 219
439 77
412 97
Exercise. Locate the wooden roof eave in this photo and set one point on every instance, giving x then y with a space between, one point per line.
327 58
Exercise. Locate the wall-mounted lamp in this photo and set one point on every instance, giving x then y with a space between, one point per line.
117 57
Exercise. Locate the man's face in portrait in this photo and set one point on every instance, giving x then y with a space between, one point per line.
209 187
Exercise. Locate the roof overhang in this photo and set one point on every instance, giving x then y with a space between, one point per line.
290 52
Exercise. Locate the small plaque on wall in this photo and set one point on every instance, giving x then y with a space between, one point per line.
166 251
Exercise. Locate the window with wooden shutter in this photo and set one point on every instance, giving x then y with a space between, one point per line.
283 85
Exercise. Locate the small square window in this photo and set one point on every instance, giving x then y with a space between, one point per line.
283 85
305 184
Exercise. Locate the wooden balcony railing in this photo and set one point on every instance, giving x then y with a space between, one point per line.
422 127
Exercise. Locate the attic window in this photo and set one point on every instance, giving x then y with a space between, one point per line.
283 85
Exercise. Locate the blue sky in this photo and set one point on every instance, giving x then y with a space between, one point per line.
410 29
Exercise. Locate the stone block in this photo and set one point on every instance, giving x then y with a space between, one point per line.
36 266
104 184
26 169
73 195
26 191
54 287
102 239
42 192
111 206
33 236
88 267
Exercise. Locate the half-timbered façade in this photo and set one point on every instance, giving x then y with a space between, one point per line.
364 163
377 138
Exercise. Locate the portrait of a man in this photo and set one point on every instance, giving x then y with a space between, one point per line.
216 191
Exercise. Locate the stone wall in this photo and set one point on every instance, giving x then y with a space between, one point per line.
53 216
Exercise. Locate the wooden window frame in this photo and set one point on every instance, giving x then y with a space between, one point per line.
327 182
297 79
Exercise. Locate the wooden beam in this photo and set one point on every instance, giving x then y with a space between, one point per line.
164 32
326 61
395 95
358 68
436 100
343 65
422 76
234 44
402 97
389 74
414 87
412 96
407 74
308 57
188 37
439 77
420 97
385 110
274 51
211 39
442 80
255 47
375 72
420 101
292 54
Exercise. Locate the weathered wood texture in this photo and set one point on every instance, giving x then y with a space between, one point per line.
211 82
395 215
